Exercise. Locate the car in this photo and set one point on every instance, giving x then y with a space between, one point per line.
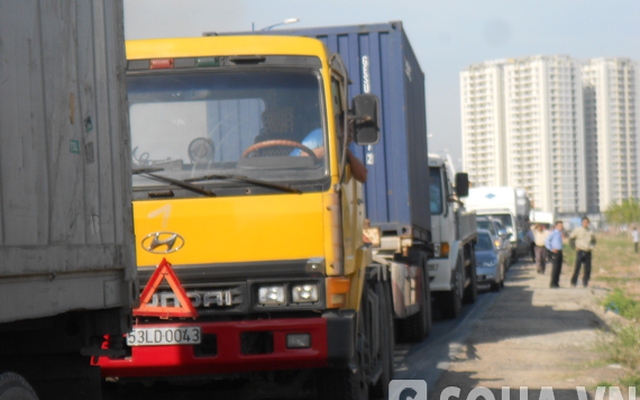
491 263
498 231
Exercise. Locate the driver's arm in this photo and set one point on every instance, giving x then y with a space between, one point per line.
358 169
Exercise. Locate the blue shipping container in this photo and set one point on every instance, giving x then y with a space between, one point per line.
380 61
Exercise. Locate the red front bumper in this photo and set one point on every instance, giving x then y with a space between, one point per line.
228 357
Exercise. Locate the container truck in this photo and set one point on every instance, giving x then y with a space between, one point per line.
258 233
396 194
67 262
452 270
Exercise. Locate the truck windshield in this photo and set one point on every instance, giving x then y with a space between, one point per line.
265 125
435 190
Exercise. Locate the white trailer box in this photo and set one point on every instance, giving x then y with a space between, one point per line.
494 200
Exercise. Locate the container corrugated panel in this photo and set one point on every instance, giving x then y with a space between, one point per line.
65 203
380 61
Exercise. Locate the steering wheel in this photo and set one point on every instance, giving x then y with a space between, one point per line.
280 143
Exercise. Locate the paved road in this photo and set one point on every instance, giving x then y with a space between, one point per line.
427 360
532 336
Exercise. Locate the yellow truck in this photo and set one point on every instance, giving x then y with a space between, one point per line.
245 203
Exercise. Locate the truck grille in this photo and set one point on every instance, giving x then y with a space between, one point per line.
208 299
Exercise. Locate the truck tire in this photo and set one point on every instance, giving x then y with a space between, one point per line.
15 387
387 338
452 300
344 383
471 291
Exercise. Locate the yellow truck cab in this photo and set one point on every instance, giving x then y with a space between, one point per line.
241 183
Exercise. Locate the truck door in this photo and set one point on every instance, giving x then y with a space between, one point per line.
350 190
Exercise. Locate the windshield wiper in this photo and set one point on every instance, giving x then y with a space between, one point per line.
149 172
241 178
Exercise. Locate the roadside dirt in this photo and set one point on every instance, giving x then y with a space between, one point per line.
533 336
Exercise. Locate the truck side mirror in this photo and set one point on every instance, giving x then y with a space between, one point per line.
462 184
366 120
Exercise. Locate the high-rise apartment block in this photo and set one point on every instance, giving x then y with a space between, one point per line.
483 138
610 103
539 130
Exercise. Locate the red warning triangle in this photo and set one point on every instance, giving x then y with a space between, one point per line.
184 310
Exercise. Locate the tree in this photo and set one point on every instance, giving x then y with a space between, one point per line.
626 212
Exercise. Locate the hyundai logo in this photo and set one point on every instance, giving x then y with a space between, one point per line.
162 242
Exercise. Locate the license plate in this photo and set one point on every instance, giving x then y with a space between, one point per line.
164 336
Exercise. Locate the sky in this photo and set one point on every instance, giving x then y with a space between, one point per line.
447 36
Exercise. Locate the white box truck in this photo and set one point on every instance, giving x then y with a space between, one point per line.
67 262
510 206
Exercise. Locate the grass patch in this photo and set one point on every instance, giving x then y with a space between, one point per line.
626 349
616 267
631 381
622 347
621 304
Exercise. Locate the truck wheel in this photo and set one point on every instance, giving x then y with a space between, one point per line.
471 291
387 341
15 387
453 299
344 383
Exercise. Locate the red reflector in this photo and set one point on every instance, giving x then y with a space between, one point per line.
164 63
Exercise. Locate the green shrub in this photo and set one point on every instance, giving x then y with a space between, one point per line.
619 303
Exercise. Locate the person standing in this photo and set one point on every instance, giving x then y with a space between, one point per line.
532 243
539 236
634 236
553 243
584 240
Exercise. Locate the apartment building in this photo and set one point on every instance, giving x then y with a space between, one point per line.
526 130
611 106
483 138
544 131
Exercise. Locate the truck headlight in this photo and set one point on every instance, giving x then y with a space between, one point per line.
298 341
271 295
307 293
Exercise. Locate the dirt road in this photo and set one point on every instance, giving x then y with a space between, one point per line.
531 336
